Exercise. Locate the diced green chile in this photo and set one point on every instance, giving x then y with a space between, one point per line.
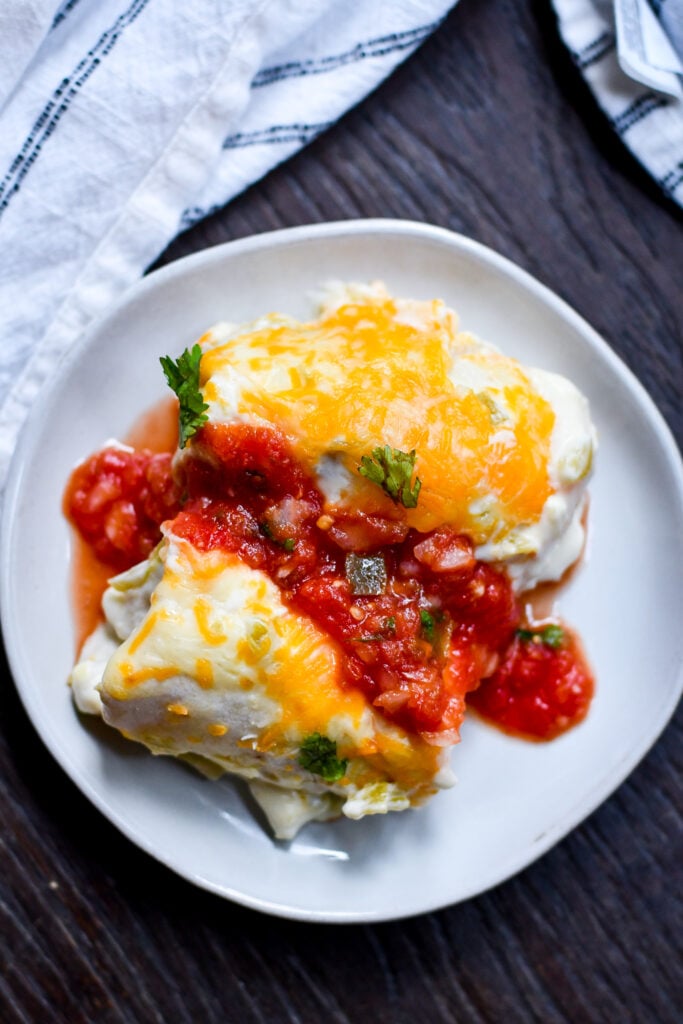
367 574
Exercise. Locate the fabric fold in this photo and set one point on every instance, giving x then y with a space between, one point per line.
649 123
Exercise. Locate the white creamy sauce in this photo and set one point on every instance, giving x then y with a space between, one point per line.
334 480
574 439
86 676
543 551
288 811
126 600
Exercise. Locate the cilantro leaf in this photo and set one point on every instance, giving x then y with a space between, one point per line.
427 625
183 378
392 469
552 636
318 754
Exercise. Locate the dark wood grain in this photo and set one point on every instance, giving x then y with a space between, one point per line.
487 130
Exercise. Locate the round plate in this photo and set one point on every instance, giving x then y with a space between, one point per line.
514 799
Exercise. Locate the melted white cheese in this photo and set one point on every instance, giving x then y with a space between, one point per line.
543 551
213 664
531 553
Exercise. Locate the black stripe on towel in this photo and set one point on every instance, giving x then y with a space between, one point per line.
673 179
639 109
63 12
277 133
361 51
595 51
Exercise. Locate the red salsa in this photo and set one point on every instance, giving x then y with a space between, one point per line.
420 621
118 499
538 690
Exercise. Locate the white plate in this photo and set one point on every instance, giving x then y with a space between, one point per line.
514 799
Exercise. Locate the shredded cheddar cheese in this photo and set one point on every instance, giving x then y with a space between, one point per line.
361 376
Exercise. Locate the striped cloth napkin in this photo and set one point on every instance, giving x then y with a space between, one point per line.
626 50
124 121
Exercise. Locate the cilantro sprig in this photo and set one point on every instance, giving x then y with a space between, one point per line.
392 470
318 754
552 636
183 378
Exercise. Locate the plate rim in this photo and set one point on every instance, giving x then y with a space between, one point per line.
439 236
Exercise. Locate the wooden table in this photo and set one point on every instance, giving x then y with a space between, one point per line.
488 130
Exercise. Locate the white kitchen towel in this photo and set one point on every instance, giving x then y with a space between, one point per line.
648 121
123 121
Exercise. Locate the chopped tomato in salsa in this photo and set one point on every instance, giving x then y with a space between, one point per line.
416 645
117 499
538 690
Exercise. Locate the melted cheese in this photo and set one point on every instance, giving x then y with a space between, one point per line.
220 667
503 452
366 374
